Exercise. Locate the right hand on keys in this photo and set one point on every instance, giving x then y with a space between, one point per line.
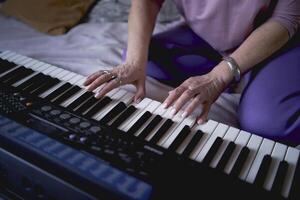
126 73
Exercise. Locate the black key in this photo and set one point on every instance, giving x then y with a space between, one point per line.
119 108
192 144
39 80
263 170
212 151
58 91
98 106
26 72
12 73
124 115
226 156
6 65
161 131
67 94
80 100
86 105
139 123
49 84
155 121
238 165
295 193
280 177
180 138
28 82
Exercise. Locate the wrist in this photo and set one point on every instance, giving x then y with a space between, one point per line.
223 73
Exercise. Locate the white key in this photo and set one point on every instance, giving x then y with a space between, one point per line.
277 156
24 61
46 93
160 110
30 63
7 71
4 54
185 142
150 108
128 98
48 69
207 128
72 98
76 78
62 74
265 149
171 135
241 141
68 76
116 98
24 79
253 145
19 59
15 58
80 82
219 132
9 55
230 135
140 107
55 72
291 157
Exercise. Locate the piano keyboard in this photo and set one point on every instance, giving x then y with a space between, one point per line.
258 161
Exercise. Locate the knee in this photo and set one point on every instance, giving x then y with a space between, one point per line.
270 120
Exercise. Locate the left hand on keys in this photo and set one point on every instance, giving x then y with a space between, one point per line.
198 90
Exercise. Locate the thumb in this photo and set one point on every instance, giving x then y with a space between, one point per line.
140 91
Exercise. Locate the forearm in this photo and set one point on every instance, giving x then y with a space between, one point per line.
261 44
141 23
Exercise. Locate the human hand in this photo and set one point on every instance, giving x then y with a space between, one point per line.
199 91
127 73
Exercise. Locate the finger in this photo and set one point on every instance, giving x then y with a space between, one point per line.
195 103
140 93
204 115
91 78
173 95
182 100
107 88
99 81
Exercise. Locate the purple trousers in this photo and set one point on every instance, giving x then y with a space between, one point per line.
270 103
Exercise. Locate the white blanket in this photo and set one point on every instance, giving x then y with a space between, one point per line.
93 46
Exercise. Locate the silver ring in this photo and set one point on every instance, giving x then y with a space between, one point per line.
118 80
105 72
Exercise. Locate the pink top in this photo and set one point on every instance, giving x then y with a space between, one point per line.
225 24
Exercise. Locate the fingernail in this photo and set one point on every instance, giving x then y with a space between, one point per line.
184 114
200 121
138 100
173 111
165 105
98 95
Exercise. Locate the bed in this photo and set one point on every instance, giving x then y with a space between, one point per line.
97 43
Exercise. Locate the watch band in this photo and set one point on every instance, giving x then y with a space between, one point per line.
234 67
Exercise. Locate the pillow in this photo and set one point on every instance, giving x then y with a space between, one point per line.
53 17
118 10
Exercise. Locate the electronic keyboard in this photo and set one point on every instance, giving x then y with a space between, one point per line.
57 141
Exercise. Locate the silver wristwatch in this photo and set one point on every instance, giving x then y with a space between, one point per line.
234 67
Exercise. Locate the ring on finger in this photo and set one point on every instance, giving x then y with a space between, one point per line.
118 80
102 72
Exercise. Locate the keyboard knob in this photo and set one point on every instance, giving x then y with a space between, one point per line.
55 112
64 116
84 125
46 108
74 120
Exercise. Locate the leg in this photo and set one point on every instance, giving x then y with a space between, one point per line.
179 53
270 104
